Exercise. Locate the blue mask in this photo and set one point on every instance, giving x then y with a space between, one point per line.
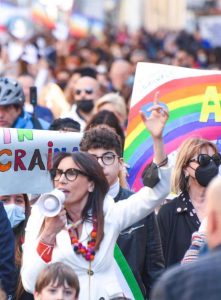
15 213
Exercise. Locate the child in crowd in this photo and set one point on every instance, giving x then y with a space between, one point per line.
57 281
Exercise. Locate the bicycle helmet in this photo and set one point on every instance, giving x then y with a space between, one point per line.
11 92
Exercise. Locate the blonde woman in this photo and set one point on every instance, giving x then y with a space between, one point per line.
115 103
196 164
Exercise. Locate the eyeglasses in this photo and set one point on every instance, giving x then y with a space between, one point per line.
204 159
88 91
107 158
70 174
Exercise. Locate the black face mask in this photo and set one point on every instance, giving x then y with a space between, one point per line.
205 174
150 175
85 106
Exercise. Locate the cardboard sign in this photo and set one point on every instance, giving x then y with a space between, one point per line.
26 157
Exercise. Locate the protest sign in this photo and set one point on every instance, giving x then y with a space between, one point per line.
26 156
209 28
193 99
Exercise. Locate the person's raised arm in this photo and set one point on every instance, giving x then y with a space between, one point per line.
155 125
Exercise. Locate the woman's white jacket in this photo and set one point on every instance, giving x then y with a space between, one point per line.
103 284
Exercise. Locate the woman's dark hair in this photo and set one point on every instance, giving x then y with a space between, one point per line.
94 206
19 232
106 117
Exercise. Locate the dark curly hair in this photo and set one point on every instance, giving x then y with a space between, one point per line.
108 118
101 137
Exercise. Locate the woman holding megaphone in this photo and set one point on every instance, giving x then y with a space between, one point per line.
83 234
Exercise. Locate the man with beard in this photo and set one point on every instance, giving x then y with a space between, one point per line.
87 90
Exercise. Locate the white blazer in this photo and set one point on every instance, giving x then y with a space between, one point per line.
117 217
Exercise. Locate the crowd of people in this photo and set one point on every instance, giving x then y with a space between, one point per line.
78 85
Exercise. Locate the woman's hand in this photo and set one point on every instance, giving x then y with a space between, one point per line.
52 226
156 122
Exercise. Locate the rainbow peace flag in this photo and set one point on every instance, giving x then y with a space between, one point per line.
193 98
41 16
79 25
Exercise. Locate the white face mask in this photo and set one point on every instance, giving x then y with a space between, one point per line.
15 213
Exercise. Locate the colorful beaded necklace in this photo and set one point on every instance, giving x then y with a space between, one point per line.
87 252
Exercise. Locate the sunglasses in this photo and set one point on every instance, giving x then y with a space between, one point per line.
204 159
87 91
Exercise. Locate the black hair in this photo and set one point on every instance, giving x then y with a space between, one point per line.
86 71
65 123
106 117
101 137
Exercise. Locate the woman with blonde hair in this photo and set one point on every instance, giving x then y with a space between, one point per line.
115 103
53 98
196 164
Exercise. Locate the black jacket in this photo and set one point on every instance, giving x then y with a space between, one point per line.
177 221
7 264
141 246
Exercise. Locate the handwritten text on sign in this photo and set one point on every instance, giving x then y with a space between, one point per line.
26 156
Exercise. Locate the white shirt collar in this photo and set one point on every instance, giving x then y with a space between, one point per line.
114 189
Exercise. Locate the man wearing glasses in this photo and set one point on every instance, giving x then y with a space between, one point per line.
140 244
87 90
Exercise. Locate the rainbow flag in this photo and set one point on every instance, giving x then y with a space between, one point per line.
193 98
79 25
41 16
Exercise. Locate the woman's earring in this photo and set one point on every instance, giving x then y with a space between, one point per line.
186 178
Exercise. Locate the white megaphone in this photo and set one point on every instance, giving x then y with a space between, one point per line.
50 204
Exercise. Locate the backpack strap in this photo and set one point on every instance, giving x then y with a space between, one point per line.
36 123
